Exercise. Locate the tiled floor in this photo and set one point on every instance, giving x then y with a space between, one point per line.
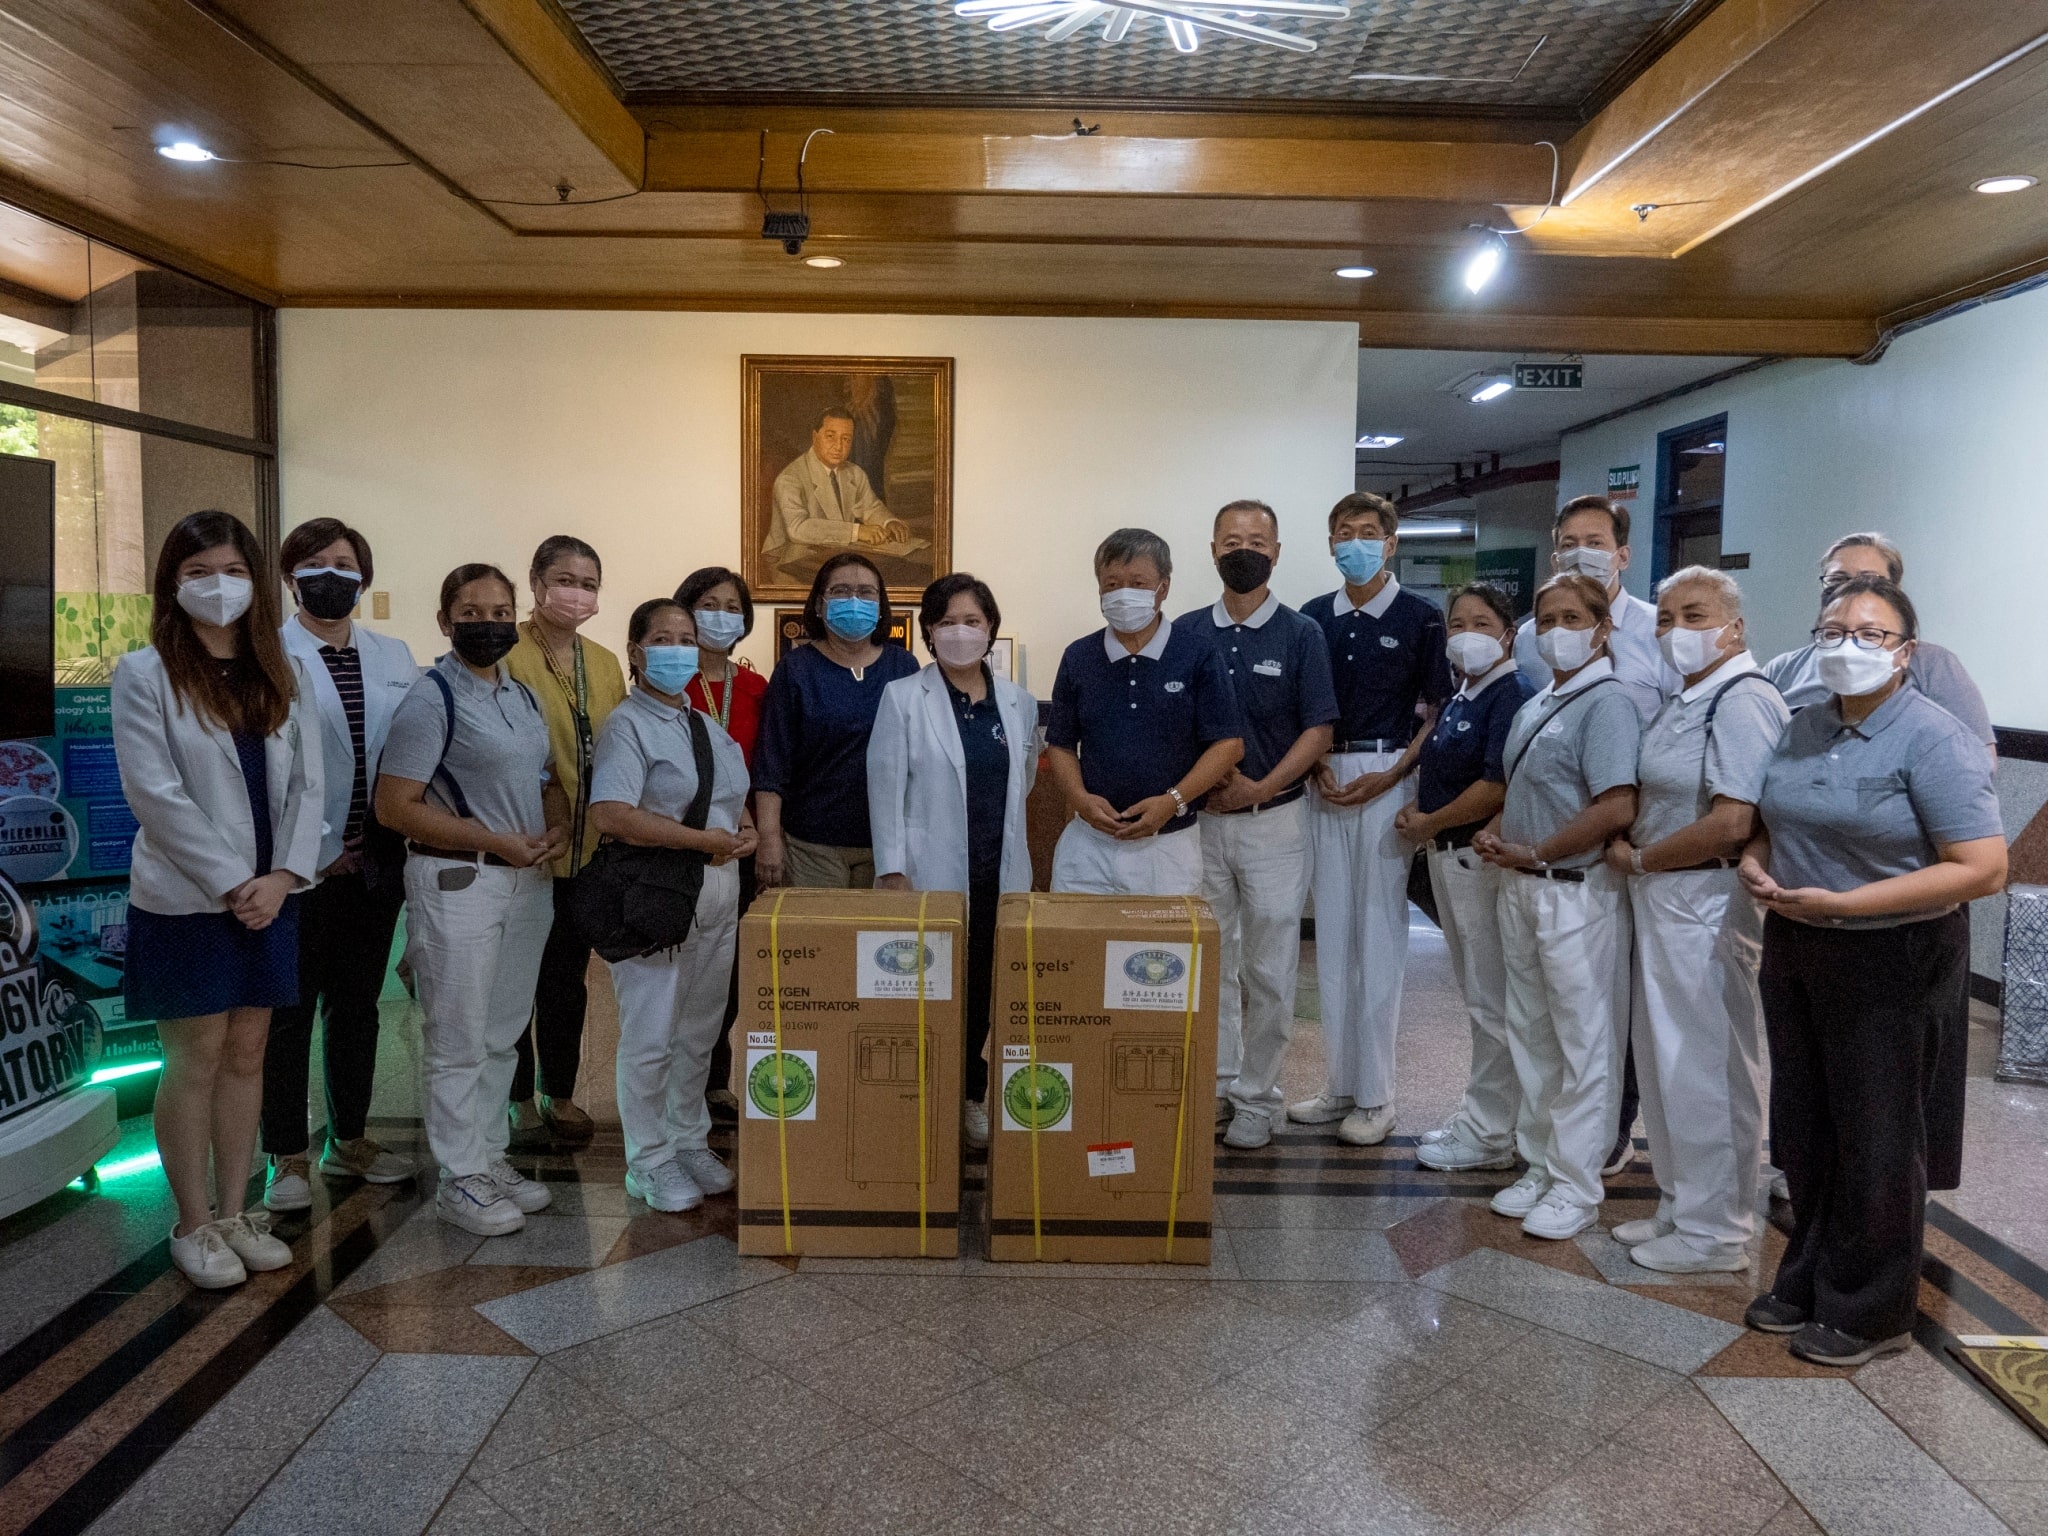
1371 1350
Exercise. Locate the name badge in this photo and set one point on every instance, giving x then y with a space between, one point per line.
1266 668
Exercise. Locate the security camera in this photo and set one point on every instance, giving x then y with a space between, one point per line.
792 229
792 247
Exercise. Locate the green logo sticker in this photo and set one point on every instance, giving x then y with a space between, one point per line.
1037 1098
781 1086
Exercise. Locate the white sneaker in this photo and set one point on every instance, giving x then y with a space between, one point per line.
706 1169
249 1235
1367 1127
287 1188
1557 1216
1451 1151
1249 1128
974 1124
1673 1255
206 1259
476 1204
1645 1230
529 1195
666 1188
1321 1110
1522 1196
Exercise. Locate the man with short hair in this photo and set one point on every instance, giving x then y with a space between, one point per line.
1143 724
823 499
1391 676
1590 535
1253 826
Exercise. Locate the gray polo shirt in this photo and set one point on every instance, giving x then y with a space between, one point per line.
1847 805
1559 763
1686 763
498 754
644 759
1934 669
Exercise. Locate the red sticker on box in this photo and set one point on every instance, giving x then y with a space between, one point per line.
1112 1158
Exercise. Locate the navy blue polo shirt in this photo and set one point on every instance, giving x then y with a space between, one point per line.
1382 662
813 748
1470 740
1140 721
985 752
1279 671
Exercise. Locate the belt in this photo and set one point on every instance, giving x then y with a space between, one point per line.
1457 837
1569 876
460 855
1692 868
1284 797
1373 744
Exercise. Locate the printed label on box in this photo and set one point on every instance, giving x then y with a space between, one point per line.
1112 1158
888 965
1038 1098
781 1086
1016 1053
761 1037
1149 977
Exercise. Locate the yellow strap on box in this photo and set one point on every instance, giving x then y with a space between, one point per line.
1187 1044
923 899
1031 1034
781 1071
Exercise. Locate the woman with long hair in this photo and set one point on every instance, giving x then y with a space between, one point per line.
224 778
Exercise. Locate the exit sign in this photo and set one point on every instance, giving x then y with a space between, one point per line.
1550 375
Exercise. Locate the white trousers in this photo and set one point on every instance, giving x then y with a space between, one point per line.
1092 863
1467 889
1565 945
1698 1027
475 956
1255 879
1361 887
671 1008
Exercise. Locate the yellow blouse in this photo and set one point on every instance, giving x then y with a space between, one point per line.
556 685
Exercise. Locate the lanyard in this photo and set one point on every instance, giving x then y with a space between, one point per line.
575 689
721 705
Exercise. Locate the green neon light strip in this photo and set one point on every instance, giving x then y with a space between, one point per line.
126 1069
128 1165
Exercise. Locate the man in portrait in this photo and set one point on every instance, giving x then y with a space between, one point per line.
824 501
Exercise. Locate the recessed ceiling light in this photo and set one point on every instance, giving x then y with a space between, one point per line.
1359 272
185 150
1996 184
823 261
1381 440
1491 391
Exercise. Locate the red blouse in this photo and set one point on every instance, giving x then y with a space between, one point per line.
734 704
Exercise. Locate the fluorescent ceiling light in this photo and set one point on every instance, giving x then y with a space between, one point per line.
1381 440
1485 262
186 151
1439 530
1491 391
1184 21
825 262
1997 184
1358 272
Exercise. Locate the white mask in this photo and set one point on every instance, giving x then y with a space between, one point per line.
1129 609
960 645
1565 650
1474 653
218 600
1596 563
1690 650
1851 671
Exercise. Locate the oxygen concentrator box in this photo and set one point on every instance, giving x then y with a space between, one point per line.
1102 1061
846 1062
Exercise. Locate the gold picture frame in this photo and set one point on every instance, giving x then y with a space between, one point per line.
876 476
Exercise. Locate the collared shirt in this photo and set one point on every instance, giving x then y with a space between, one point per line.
645 759
1688 761
586 683
1140 721
1850 804
1934 670
345 667
813 749
1385 657
1567 748
1470 740
985 752
498 754
1638 662
1279 670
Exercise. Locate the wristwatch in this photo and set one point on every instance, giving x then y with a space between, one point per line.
1180 806
1635 860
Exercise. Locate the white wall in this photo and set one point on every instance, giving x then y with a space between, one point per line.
456 435
1939 444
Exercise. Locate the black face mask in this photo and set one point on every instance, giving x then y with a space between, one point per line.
328 594
483 642
1244 570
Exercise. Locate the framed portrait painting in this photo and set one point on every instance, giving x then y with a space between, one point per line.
845 453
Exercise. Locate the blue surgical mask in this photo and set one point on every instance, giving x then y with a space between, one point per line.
1361 559
719 630
668 668
852 618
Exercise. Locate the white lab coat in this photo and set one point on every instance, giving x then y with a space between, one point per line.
389 672
917 783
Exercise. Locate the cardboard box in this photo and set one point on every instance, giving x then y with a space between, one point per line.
1083 1155
829 1146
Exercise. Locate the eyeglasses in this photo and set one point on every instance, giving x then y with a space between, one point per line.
1829 637
872 594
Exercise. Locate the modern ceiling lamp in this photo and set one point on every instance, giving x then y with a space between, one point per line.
1484 264
1995 186
1184 20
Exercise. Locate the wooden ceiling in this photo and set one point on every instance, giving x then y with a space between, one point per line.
1806 164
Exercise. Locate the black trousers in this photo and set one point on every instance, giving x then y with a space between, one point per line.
560 998
345 932
721 1053
1857 1020
982 900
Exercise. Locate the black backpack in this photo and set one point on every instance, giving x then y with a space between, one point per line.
630 901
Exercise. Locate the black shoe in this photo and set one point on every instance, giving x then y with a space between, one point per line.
725 1109
1618 1160
1830 1346
1767 1314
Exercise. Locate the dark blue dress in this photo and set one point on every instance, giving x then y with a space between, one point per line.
194 964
